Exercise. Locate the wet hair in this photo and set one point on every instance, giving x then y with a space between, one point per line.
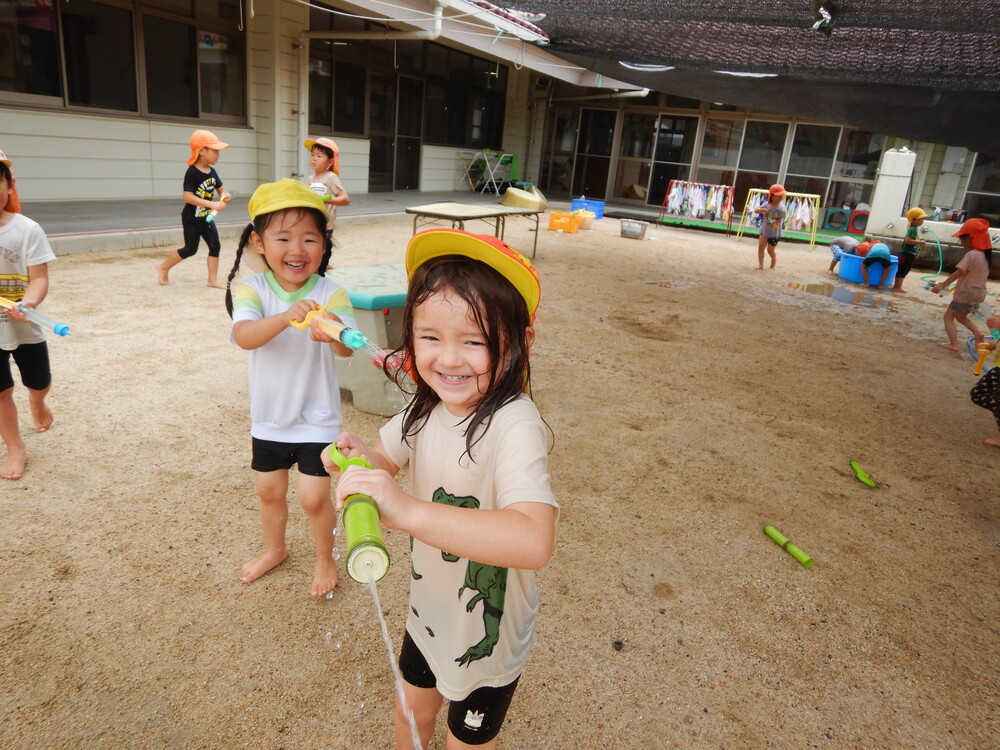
502 317
5 173
261 223
324 149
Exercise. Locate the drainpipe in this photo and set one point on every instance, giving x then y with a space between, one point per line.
305 37
637 93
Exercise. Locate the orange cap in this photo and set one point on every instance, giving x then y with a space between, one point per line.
204 139
776 189
330 144
978 230
13 203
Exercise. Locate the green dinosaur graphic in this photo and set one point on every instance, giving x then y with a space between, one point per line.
488 581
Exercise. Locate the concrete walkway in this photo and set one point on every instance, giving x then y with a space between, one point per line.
87 226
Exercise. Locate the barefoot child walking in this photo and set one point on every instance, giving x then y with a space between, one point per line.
970 274
771 223
294 396
24 278
479 509
201 183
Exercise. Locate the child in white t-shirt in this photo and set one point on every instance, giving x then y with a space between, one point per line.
479 510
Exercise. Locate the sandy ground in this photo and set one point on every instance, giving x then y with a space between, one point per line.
693 399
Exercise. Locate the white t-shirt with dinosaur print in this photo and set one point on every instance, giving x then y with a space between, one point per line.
473 623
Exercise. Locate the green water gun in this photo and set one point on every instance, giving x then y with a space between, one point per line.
367 556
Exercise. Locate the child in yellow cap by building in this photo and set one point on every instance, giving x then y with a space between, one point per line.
910 247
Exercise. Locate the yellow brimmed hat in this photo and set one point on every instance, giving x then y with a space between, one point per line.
916 213
434 243
277 196
286 193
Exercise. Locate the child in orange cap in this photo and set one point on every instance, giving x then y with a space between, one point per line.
24 257
773 218
970 274
324 158
479 510
201 183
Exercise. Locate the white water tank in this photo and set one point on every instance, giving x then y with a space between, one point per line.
888 203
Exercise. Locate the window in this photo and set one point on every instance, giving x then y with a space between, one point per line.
983 196
99 40
172 58
763 146
170 52
721 146
29 50
672 155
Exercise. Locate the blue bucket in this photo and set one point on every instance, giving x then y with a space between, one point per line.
850 270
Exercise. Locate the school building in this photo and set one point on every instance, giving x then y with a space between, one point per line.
98 99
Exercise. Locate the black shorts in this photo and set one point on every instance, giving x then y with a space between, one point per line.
905 264
487 704
32 362
881 261
772 241
271 456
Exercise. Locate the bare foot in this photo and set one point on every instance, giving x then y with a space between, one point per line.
161 274
991 441
261 565
324 576
13 467
901 291
42 416
760 268
216 284
949 347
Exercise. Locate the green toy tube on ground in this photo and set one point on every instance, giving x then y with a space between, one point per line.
782 541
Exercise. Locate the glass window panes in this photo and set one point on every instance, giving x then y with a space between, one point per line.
320 92
597 131
675 139
29 49
985 177
721 145
763 146
98 39
349 93
169 48
220 69
859 154
637 135
813 150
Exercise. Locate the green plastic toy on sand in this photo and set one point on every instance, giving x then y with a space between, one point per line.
783 541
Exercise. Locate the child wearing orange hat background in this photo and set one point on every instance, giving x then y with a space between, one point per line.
201 183
324 158
773 211
970 276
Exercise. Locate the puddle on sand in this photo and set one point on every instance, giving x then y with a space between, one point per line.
846 295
